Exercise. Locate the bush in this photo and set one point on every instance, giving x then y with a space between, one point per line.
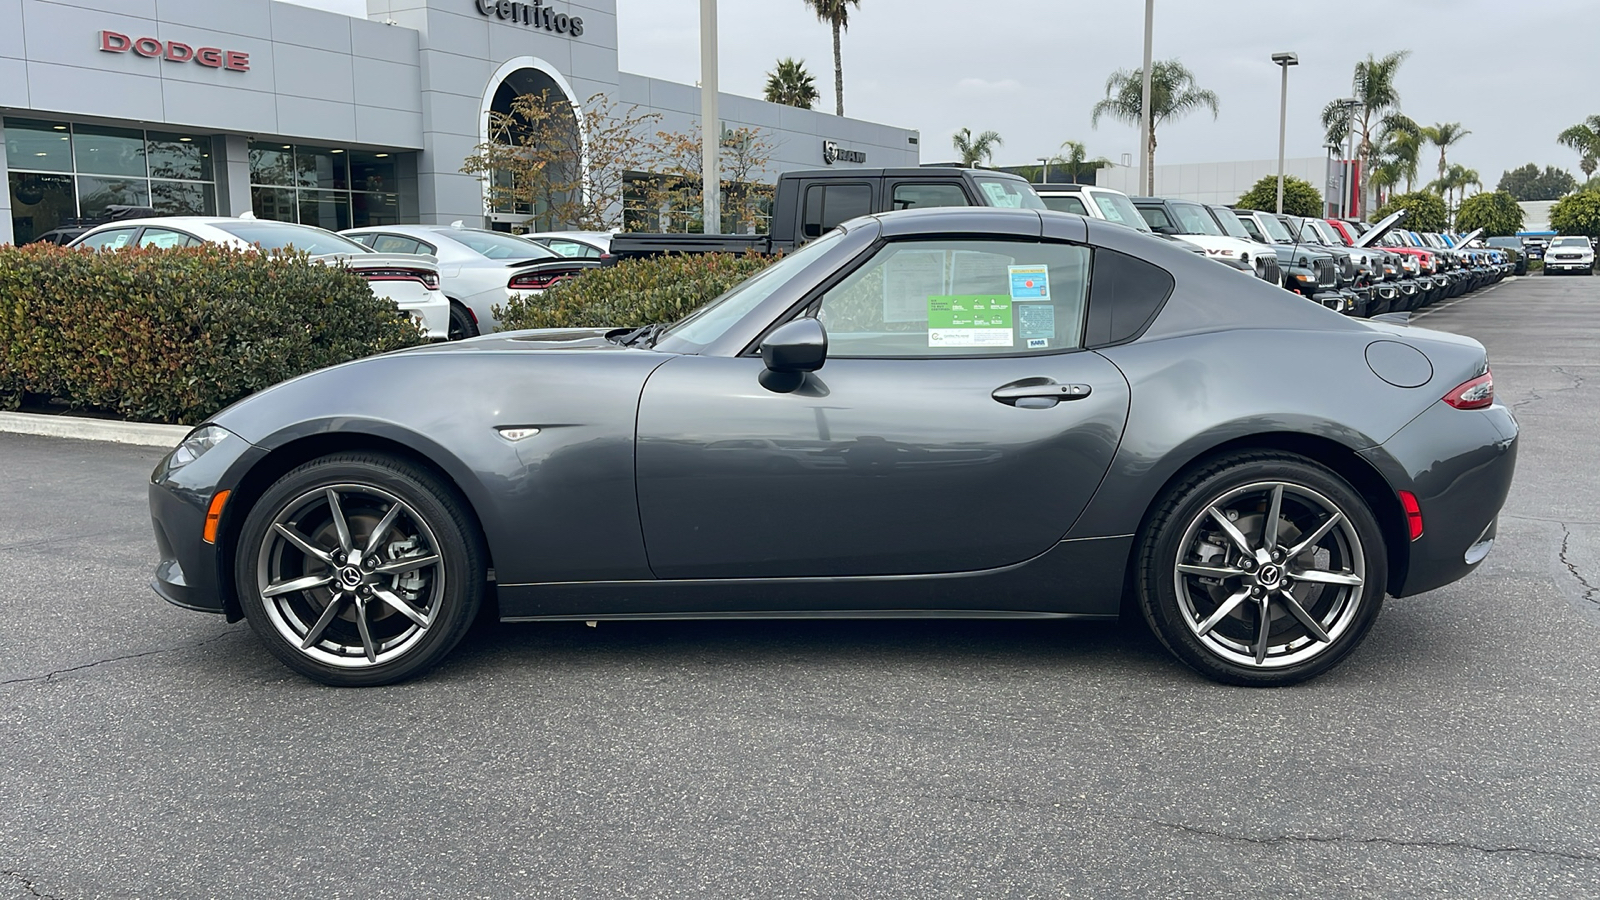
1424 211
633 293
1577 214
175 335
1496 212
1300 197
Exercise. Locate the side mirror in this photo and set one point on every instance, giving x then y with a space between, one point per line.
799 346
790 352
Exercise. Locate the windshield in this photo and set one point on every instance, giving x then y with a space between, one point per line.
1230 223
282 235
713 320
1119 209
1330 234
1570 242
1194 220
1274 228
495 245
1009 193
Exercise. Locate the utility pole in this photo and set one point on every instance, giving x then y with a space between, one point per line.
1146 174
710 121
1284 60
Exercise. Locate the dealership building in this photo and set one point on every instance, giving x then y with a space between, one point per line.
221 107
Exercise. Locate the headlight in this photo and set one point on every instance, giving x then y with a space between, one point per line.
195 445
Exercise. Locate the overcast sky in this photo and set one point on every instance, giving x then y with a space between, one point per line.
1032 69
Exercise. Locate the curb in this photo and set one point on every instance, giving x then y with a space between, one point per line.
138 433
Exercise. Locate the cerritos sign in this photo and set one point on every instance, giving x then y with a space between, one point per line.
535 14
175 51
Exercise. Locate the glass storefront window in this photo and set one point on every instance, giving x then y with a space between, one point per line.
272 203
109 151
373 172
183 198
96 193
271 164
316 167
374 209
39 203
325 209
179 156
31 144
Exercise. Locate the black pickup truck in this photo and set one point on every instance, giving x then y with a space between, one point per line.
808 204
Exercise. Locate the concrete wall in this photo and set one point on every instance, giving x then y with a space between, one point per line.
1222 183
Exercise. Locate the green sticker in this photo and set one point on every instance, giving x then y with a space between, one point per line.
970 320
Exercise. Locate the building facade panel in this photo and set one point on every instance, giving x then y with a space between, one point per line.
325 118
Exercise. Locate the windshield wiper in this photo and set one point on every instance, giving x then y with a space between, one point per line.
645 337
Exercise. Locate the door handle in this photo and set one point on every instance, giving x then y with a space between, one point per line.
1039 393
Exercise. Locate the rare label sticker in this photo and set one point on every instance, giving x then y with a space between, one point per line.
970 320
1030 283
1036 320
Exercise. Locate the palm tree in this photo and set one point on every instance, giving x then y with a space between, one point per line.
837 14
1377 102
791 85
1444 136
1076 160
1584 138
1173 94
975 150
1457 177
1397 153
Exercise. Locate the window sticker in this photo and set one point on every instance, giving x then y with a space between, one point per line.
1030 283
909 278
970 321
1036 320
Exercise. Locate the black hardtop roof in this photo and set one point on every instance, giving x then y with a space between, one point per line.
918 172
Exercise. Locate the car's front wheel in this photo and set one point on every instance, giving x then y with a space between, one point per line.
462 323
360 569
1262 569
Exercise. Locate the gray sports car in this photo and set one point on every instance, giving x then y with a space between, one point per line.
962 413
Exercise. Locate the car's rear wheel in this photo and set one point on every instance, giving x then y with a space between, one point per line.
1262 569
360 569
462 325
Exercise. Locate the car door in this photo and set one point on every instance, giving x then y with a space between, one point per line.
956 425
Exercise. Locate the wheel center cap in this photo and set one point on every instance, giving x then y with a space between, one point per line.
350 577
1269 576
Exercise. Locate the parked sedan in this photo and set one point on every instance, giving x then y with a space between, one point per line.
479 269
952 412
575 244
410 282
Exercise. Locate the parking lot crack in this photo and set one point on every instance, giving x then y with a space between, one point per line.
1534 396
47 676
28 885
1566 560
1461 846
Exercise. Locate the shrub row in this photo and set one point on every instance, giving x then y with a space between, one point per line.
175 335
633 293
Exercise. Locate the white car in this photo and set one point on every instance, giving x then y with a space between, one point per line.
574 244
1192 222
1105 204
1569 253
478 269
409 282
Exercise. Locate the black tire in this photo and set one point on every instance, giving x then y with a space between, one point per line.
461 323
387 613
1214 630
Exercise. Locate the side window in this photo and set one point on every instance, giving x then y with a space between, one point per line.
934 298
1067 204
364 240
110 239
829 204
1156 218
928 196
164 239
574 249
394 243
1253 229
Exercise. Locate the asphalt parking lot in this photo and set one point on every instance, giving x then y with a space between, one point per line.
152 752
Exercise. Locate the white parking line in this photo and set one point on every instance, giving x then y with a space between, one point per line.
1483 293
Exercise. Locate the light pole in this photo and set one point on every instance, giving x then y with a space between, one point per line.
1146 176
1350 107
1284 61
1046 161
710 121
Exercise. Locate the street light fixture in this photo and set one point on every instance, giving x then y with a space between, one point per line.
1284 61
710 122
1146 174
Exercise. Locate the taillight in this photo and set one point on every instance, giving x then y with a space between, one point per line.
1408 502
535 281
1475 394
428 278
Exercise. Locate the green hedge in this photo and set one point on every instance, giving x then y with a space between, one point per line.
632 293
175 335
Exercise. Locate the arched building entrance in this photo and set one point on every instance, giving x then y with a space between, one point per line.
561 135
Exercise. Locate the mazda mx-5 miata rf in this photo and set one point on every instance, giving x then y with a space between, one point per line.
961 413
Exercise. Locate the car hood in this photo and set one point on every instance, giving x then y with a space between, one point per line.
592 339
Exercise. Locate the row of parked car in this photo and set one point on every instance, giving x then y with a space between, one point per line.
449 278
1355 268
